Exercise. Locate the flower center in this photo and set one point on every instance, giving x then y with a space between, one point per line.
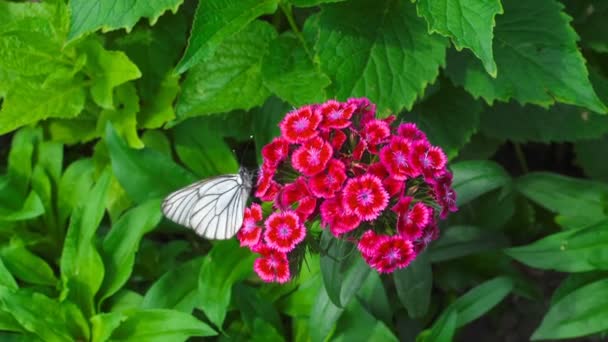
392 255
330 180
300 124
249 225
313 156
283 231
335 115
400 158
426 161
365 197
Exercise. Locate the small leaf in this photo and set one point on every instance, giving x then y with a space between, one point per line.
26 265
151 325
223 267
215 21
232 78
102 325
90 16
481 299
459 241
74 186
580 313
144 174
124 116
414 284
474 178
574 250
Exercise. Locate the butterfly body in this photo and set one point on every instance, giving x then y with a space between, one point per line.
212 207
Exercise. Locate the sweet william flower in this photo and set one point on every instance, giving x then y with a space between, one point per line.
275 152
326 183
336 114
338 220
411 132
300 125
365 197
396 157
312 157
250 232
272 266
284 231
410 224
392 253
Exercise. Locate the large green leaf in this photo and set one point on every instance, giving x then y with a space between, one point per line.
253 307
358 324
177 289
469 23
150 325
88 16
575 281
323 316
533 42
532 123
578 202
459 241
290 74
122 242
226 264
74 187
575 250
144 174
82 268
25 265
474 178
215 21
449 118
390 59
414 284
232 78
582 312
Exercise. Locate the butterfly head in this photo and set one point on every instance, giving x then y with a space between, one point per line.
247 177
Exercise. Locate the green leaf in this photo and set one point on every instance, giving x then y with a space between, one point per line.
254 308
391 63
374 298
90 16
474 178
532 123
575 281
443 329
357 324
144 174
323 316
74 187
580 313
124 300
579 202
6 278
224 265
469 24
459 241
108 69
122 242
82 268
200 145
148 325
311 3
103 325
589 155
177 289
215 21
265 123
26 265
60 321
533 42
32 207
290 74
589 23
20 159
124 116
50 158
232 78
574 250
414 284
449 118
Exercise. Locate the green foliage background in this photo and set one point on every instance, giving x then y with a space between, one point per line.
107 106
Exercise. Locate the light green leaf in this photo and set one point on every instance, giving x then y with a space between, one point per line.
580 313
459 241
414 284
32 207
469 23
390 59
122 242
124 116
474 178
50 158
74 187
449 118
82 268
6 278
124 300
232 78
103 325
578 202
290 74
20 159
26 265
532 123
575 281
215 21
89 16
533 41
144 174
177 289
107 69
574 250
151 325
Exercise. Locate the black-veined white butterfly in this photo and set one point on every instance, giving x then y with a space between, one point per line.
213 207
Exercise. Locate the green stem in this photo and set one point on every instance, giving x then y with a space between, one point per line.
521 157
286 8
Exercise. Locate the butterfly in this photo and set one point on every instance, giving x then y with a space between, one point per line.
213 207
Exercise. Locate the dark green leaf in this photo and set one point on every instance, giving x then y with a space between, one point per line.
474 178
311 3
374 298
414 284
458 241
481 299
443 329
589 155
323 317
357 324
254 308
6 278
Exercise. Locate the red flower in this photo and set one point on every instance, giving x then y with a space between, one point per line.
325 184
393 186
368 243
376 132
284 231
275 152
250 232
429 159
430 234
312 157
444 194
272 266
338 139
292 193
364 107
410 131
396 158
410 224
392 253
336 114
334 216
365 197
306 207
300 125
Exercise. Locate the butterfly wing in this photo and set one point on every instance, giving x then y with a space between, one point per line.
213 207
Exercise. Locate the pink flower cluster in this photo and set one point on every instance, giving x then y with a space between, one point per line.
378 186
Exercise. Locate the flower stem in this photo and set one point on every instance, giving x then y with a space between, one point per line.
286 8
521 157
